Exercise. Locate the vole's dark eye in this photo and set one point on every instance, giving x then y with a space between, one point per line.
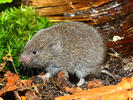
34 52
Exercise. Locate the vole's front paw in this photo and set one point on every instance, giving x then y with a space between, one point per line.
45 77
81 81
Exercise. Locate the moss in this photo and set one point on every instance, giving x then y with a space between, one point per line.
17 26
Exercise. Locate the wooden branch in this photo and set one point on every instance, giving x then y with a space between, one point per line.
53 10
110 17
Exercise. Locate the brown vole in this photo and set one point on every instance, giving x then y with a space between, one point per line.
73 46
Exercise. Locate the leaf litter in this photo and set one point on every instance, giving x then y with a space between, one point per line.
60 87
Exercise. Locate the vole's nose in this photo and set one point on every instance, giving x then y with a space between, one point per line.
21 60
24 59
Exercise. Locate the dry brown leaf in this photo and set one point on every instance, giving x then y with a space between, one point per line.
73 90
1 98
26 83
8 57
94 84
2 65
62 80
10 86
121 91
31 95
63 74
14 83
25 37
23 98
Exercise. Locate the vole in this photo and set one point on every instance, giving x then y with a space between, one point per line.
73 46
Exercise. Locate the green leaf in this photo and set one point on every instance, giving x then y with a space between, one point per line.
5 1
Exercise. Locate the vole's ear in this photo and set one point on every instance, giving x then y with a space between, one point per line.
56 45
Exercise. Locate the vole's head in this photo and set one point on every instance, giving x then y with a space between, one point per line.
41 49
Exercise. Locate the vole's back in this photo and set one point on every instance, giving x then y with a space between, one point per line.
81 43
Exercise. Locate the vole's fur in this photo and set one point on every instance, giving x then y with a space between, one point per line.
73 46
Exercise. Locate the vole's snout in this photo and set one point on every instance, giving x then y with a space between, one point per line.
25 59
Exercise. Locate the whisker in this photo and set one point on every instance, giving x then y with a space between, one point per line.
32 73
